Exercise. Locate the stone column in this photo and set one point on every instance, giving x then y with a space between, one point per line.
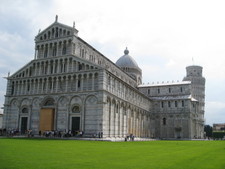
48 67
19 88
16 88
112 127
93 82
35 54
142 126
44 68
48 53
43 51
25 87
68 65
47 83
76 83
67 78
63 65
122 120
57 84
52 84
58 67
114 120
71 83
81 82
72 66
109 118
39 71
119 132
76 66
42 86
53 67
14 92
57 49
35 69
128 122
33 87
37 89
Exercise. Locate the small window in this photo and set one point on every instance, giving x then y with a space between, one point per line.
182 103
24 110
164 121
28 87
49 102
54 51
82 53
12 92
64 50
181 89
80 67
78 84
45 53
148 91
169 90
109 81
175 103
76 109
169 104
158 90
162 104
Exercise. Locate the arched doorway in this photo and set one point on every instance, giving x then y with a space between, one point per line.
24 120
47 116
75 117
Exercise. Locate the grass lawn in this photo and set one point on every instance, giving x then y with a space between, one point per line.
65 154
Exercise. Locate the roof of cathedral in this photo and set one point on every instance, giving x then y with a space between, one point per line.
127 61
177 97
165 84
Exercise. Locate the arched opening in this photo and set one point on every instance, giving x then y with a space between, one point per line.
75 119
64 49
24 110
24 120
47 116
164 121
54 51
76 109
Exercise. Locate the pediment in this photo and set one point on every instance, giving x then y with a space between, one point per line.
56 30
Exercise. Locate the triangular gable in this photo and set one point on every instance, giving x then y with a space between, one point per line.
59 26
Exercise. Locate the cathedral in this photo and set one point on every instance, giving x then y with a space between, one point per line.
70 86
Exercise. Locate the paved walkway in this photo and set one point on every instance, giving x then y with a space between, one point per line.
81 138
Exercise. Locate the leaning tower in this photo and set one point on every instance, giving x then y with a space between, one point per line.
194 74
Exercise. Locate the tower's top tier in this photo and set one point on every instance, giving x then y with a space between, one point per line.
194 70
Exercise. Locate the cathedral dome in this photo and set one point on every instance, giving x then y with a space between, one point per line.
127 61
130 66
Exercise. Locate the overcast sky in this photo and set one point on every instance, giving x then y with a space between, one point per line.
162 36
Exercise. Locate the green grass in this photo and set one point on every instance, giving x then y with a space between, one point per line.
66 154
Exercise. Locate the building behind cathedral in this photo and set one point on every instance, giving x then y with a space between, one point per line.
69 85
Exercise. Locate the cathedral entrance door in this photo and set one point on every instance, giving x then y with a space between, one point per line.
75 124
47 119
23 125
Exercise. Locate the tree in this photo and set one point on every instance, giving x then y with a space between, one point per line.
208 130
